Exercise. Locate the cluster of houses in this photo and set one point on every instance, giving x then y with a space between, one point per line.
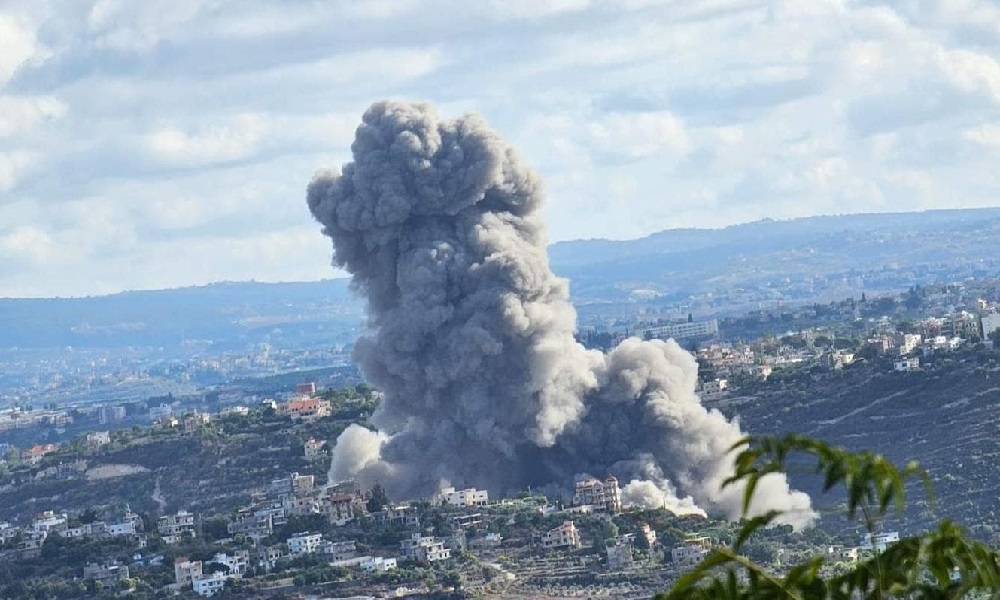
27 541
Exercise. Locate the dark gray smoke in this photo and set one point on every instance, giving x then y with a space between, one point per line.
470 336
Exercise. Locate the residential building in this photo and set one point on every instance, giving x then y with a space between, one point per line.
907 364
173 527
110 414
256 526
378 564
34 454
269 556
466 497
236 563
425 549
464 521
301 505
714 388
314 449
293 485
620 553
130 524
990 323
238 410
564 536
304 543
98 438
338 550
648 533
207 586
161 412
490 540
304 407
906 343
880 541
693 549
107 574
48 521
401 515
338 508
195 420
605 494
185 571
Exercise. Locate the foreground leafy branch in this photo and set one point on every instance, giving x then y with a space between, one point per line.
942 563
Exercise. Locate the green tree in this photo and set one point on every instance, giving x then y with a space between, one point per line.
378 499
942 563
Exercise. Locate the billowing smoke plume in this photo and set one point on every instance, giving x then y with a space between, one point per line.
470 337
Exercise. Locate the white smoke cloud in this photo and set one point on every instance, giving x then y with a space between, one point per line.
471 336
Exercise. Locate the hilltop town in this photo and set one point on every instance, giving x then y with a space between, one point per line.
225 492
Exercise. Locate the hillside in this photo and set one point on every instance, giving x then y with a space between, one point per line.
946 416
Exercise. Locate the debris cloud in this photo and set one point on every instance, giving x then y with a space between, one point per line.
470 337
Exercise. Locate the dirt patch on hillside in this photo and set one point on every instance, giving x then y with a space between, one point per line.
112 471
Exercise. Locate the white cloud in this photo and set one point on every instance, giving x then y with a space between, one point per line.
12 168
20 114
26 243
987 135
210 146
17 46
148 144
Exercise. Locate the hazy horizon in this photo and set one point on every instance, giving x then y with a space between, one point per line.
336 275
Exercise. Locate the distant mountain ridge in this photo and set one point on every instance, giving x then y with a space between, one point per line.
588 251
795 259
228 313
735 266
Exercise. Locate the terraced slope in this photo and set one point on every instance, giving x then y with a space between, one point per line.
948 418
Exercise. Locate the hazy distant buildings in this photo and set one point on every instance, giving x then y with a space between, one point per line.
990 323
684 330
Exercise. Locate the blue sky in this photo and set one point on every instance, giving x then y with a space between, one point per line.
156 144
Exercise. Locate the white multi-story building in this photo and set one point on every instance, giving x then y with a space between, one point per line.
209 585
466 497
425 549
604 495
304 543
47 521
693 549
236 563
713 388
680 331
378 564
879 541
908 342
564 536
